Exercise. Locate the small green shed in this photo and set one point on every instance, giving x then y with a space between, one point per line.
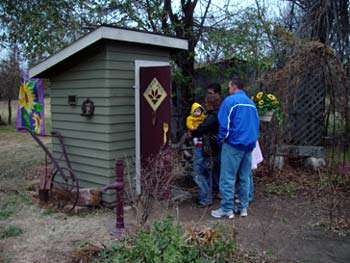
103 67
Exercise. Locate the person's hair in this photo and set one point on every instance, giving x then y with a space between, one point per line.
237 81
212 101
215 87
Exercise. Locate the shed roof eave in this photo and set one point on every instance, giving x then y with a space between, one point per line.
109 33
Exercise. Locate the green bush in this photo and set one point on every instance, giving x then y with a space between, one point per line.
167 242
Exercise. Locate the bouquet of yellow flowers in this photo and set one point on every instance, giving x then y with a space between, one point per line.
267 102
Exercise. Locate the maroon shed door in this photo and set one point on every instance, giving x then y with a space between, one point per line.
155 116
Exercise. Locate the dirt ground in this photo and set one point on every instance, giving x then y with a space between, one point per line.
288 226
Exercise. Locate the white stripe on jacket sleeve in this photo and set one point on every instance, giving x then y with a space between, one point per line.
229 116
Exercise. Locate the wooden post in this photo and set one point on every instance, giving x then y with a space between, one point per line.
120 198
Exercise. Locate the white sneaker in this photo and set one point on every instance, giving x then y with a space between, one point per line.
219 213
244 212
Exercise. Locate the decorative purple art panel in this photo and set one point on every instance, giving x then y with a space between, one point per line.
31 107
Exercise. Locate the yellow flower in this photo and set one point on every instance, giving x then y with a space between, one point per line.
259 95
275 102
271 97
261 103
37 123
26 97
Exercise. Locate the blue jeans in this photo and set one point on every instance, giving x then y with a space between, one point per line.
202 177
251 188
234 163
215 172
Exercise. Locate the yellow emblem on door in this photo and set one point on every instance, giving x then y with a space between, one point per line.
155 94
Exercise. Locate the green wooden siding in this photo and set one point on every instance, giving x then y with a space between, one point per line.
107 78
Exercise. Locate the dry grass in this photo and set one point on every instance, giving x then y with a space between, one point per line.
51 237
47 236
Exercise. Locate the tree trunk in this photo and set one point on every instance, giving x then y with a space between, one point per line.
1 121
9 119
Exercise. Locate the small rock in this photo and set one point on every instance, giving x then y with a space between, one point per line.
277 162
314 163
89 197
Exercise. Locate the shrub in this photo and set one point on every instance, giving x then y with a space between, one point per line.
286 189
168 242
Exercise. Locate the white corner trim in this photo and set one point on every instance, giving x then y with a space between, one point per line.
112 34
138 65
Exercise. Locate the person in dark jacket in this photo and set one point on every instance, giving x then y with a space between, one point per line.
238 133
206 163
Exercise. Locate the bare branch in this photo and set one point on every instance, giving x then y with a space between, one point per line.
203 20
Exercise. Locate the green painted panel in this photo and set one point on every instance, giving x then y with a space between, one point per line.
103 155
81 75
87 160
92 153
91 83
119 74
92 127
95 136
104 64
116 92
96 74
118 56
103 102
96 119
123 154
92 92
121 65
99 111
137 49
90 65
104 146
63 101
97 172
97 145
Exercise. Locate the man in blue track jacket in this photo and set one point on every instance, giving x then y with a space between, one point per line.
238 133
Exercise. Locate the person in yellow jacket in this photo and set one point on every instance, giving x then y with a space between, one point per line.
196 118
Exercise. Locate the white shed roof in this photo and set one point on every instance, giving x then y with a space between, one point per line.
111 33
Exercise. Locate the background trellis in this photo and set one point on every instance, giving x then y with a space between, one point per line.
306 110
311 87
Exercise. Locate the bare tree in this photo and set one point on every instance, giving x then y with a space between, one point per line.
10 78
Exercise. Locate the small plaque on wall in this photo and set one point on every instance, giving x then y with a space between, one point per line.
87 108
72 100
